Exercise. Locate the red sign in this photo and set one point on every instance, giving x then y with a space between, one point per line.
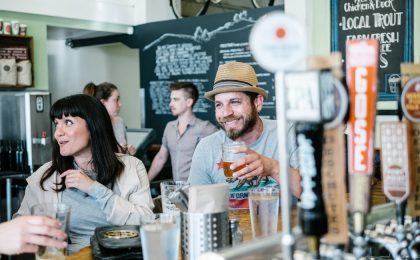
362 70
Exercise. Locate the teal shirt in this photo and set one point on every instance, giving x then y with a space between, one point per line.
206 166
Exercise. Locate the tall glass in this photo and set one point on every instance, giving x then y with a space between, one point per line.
166 189
229 156
58 211
160 237
264 210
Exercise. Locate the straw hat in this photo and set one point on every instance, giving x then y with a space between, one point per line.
235 77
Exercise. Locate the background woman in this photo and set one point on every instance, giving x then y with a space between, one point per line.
101 186
109 95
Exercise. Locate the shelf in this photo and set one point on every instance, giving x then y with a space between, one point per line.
20 48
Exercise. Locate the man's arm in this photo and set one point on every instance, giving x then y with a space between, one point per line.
158 162
259 165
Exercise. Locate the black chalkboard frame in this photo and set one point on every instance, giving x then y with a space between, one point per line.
388 79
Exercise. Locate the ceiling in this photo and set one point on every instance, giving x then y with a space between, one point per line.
62 33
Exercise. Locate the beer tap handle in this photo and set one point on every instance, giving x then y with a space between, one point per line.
312 216
401 206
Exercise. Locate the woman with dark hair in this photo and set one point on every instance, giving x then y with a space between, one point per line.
101 186
109 96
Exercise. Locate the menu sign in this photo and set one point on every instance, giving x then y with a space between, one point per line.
191 49
389 21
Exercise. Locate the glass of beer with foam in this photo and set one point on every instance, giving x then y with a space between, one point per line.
229 156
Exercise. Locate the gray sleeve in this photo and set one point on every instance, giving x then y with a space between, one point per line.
198 173
164 137
120 131
103 196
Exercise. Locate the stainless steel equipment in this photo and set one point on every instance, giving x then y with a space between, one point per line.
24 116
25 139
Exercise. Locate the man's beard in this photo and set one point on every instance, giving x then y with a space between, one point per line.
249 123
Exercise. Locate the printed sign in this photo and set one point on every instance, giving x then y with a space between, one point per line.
395 160
303 96
277 42
410 100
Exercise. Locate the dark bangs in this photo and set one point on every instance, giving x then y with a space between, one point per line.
66 107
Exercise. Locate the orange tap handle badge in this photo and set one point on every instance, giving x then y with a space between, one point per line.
362 70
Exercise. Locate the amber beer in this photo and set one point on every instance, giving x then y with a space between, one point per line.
229 156
228 172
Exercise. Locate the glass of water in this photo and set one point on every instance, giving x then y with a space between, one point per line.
264 210
58 211
160 237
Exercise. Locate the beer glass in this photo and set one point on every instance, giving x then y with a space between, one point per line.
228 157
58 211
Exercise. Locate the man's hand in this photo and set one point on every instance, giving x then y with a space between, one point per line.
77 179
261 166
255 165
25 234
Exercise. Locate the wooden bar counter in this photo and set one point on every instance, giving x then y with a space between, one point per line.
245 221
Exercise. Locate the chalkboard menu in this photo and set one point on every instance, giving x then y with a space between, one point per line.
389 21
191 49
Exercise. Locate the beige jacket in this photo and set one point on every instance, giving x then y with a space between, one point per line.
132 190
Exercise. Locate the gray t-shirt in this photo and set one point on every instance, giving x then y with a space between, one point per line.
181 147
207 166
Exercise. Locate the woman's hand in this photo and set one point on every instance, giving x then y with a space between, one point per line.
77 179
24 234
129 149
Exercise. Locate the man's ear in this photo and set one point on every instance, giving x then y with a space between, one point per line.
258 102
190 102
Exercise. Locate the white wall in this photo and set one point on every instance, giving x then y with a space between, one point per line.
70 69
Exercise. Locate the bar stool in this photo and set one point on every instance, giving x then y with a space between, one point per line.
9 176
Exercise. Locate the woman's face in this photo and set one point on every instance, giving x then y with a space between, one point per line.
73 136
113 103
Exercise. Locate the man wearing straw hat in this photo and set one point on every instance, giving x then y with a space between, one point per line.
238 100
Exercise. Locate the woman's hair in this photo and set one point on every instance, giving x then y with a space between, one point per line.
101 91
102 139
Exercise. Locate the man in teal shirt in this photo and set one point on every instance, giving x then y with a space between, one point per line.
238 100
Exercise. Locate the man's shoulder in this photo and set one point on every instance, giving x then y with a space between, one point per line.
215 137
202 122
269 122
171 125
